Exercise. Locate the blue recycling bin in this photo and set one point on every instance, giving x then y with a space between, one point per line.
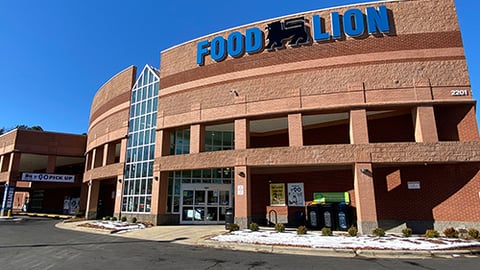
342 216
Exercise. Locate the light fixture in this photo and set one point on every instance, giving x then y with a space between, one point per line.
156 178
234 92
241 174
119 180
367 172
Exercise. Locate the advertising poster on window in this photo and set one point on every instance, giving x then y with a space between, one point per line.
296 195
277 194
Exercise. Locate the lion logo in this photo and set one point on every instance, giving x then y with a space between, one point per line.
294 31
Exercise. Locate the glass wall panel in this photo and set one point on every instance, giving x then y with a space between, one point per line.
140 147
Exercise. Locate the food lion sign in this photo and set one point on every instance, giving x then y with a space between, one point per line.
296 32
47 177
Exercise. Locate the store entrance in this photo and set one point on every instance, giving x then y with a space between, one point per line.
204 203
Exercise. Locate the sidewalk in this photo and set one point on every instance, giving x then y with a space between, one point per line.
201 236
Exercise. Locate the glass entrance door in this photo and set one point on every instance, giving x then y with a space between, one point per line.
204 204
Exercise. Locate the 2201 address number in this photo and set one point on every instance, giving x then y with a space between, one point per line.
459 92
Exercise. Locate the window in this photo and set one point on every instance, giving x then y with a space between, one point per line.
138 174
180 142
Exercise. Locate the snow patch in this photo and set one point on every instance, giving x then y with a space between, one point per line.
315 240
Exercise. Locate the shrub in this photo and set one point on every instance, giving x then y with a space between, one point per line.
79 214
432 234
473 233
450 232
106 218
254 227
279 227
379 232
302 230
407 232
326 231
233 227
352 231
134 220
123 219
113 219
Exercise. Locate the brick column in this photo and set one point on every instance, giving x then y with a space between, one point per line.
92 199
159 193
242 195
51 163
295 129
242 134
197 139
1 163
425 126
358 127
365 198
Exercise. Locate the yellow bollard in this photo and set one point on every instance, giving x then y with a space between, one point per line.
9 213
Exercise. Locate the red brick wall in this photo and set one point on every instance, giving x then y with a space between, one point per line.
456 123
448 193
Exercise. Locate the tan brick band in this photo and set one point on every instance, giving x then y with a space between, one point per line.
319 51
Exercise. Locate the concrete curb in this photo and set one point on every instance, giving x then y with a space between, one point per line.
347 253
203 238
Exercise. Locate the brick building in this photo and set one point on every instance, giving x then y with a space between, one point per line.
42 172
372 101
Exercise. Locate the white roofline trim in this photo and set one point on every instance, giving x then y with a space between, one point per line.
266 20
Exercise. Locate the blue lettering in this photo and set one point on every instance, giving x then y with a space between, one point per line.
336 28
254 40
202 51
218 50
318 33
236 43
353 23
377 20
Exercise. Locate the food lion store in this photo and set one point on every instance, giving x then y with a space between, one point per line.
367 105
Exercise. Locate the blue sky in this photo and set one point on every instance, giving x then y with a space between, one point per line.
55 54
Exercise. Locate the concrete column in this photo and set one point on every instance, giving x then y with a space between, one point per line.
92 199
197 139
358 127
13 167
94 156
51 164
243 204
242 134
1 163
123 150
365 198
105 154
119 196
295 129
425 125
87 164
